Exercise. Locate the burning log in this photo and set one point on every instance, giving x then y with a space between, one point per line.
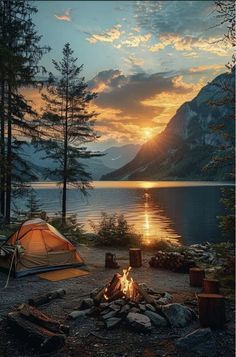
44 299
37 336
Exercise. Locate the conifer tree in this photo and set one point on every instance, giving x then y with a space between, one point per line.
20 52
70 123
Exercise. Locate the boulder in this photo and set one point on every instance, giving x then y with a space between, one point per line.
165 299
156 319
150 307
77 314
112 322
139 322
86 304
178 315
125 309
109 315
200 341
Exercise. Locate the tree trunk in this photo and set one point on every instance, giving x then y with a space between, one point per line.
64 192
9 158
2 152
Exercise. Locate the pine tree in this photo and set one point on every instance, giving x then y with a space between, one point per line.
70 124
20 53
33 203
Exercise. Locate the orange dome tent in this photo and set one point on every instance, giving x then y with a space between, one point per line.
35 247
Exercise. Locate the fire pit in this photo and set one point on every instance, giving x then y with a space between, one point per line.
124 301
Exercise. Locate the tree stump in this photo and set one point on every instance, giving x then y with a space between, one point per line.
196 276
211 286
211 310
110 261
135 257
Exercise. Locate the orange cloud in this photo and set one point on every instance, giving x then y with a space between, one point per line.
189 43
64 17
109 36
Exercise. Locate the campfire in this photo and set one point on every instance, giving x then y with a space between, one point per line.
122 286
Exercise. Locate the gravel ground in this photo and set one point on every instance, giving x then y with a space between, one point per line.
89 338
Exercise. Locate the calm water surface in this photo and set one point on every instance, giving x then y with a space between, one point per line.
184 212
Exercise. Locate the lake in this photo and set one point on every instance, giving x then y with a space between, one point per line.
182 212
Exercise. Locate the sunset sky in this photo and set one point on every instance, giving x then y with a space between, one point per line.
144 58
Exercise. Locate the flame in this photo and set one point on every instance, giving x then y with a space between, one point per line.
126 283
105 295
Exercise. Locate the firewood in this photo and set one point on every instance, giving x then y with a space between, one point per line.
135 257
149 299
211 310
98 298
211 286
44 299
36 316
39 337
196 276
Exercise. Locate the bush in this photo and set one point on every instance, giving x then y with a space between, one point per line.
114 230
71 230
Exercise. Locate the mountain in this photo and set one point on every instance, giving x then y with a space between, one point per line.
188 143
117 156
113 158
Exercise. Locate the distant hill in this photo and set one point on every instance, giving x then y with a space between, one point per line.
117 156
113 158
188 143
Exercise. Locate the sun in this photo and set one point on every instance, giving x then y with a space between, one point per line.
147 133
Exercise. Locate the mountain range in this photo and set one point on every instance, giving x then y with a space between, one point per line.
188 143
113 158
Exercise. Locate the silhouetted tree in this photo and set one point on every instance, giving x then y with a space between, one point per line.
20 53
70 124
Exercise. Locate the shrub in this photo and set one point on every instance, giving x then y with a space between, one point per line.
114 230
71 229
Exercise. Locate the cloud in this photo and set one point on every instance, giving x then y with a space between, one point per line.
64 17
215 67
134 61
189 43
179 17
134 40
108 36
140 99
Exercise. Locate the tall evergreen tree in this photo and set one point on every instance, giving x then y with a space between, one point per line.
20 52
70 123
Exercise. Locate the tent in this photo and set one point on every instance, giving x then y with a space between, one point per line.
35 247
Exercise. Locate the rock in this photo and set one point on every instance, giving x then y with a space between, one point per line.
134 309
86 303
150 307
78 314
200 341
104 305
109 315
114 306
139 322
112 322
120 302
143 285
104 312
156 319
94 292
165 299
178 315
142 307
125 309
